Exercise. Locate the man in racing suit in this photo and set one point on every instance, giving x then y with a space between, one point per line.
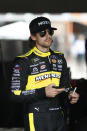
40 80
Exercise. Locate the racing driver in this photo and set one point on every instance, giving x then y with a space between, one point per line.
40 79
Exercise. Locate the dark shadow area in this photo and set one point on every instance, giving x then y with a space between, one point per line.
11 114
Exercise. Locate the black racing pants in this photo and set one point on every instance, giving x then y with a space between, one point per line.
45 121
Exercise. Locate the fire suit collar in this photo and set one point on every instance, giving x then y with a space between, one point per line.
40 53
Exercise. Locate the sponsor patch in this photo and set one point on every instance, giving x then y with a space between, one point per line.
46 76
60 61
44 70
16 71
55 69
35 60
34 65
59 66
42 62
53 60
43 67
54 65
35 69
17 67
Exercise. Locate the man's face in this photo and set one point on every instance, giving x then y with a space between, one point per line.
44 38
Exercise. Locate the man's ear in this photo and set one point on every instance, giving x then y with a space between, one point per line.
33 37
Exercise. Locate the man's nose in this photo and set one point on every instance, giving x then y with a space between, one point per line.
47 33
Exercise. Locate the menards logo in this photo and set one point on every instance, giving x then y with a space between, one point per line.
46 76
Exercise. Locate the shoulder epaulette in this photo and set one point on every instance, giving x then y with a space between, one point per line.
58 52
25 55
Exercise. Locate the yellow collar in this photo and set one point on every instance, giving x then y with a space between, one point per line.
40 53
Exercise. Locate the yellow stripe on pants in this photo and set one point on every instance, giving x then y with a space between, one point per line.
31 121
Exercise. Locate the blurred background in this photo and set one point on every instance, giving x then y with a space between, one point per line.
70 38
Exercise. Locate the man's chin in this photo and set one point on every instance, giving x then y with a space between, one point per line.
48 44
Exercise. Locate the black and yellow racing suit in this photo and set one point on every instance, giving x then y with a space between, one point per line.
32 72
